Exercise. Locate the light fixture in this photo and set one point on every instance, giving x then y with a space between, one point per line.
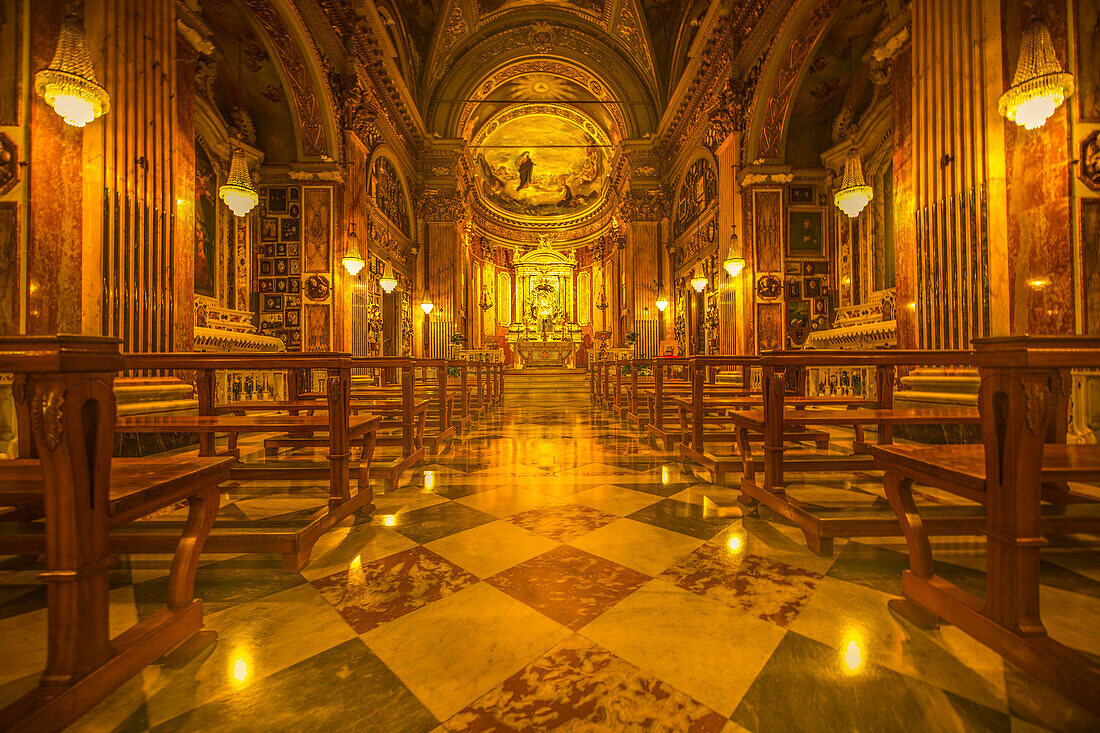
486 302
352 260
388 282
699 283
68 84
662 303
1039 86
601 301
237 193
854 193
733 264
427 305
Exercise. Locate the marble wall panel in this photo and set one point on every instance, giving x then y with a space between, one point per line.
9 268
317 236
768 233
769 326
316 319
11 61
905 241
1090 264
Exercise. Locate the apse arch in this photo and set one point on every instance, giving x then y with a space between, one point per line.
384 152
782 73
696 190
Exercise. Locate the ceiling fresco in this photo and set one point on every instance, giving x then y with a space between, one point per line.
537 161
837 64
593 7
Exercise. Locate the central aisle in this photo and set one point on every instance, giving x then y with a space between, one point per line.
552 568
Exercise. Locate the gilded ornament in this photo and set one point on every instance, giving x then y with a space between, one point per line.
46 417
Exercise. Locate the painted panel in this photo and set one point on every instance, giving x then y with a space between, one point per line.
9 268
584 299
316 327
769 326
1090 260
504 298
1088 71
206 225
768 235
317 224
11 60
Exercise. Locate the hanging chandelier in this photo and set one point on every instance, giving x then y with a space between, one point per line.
388 282
427 305
353 261
854 193
699 282
733 264
486 303
1039 86
662 303
69 83
601 301
238 193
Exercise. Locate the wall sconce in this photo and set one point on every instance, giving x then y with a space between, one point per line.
69 84
427 305
388 282
699 283
854 193
238 193
353 261
1039 86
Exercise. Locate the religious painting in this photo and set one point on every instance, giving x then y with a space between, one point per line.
798 321
272 303
292 317
541 164
276 200
794 289
769 326
804 234
269 229
802 195
820 306
769 286
294 285
206 225
768 229
316 327
595 7
812 288
1088 71
318 228
699 189
281 249
1089 166
1090 261
280 267
317 287
265 267
584 298
389 194
9 267
291 232
266 285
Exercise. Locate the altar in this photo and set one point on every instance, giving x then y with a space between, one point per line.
547 333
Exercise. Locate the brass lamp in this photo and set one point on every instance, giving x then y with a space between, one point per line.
69 84
1039 86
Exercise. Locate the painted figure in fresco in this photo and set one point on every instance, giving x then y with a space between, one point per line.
496 184
567 192
525 166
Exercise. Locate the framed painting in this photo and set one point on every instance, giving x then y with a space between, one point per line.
269 229
805 234
802 195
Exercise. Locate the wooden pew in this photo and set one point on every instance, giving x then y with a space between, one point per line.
1021 463
66 409
820 525
403 415
293 540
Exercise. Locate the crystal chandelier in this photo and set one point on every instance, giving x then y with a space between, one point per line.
699 282
854 193
733 264
352 260
388 282
1039 86
69 84
427 305
662 302
238 193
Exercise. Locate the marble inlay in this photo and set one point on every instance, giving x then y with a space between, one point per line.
369 594
770 590
562 522
568 585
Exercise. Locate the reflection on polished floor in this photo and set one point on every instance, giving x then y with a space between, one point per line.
553 569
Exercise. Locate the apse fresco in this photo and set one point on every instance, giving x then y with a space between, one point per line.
541 165
491 6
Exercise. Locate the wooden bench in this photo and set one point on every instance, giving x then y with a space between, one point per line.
66 409
820 525
1021 467
293 540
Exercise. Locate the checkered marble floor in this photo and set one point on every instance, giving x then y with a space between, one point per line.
555 569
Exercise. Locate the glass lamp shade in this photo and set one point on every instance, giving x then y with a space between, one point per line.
854 193
662 303
699 283
69 83
388 282
734 265
353 261
427 306
1039 86
237 193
